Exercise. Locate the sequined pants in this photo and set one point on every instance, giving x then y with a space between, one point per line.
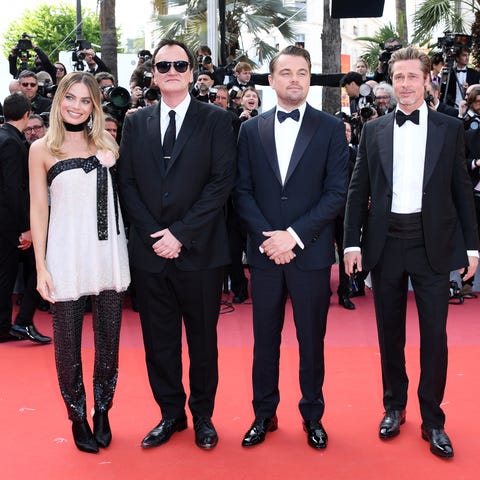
67 331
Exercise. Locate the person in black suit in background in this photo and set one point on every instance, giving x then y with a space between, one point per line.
291 185
410 211
177 170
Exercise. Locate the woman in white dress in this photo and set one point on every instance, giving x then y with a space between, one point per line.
80 247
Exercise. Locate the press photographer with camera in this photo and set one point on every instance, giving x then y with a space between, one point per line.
23 52
388 47
29 87
201 89
143 90
432 99
461 76
205 64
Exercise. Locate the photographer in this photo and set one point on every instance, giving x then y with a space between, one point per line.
142 86
384 98
471 120
202 87
29 87
205 64
460 77
388 47
22 51
351 81
432 100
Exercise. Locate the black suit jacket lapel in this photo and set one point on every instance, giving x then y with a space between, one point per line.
307 129
153 130
384 140
266 132
436 132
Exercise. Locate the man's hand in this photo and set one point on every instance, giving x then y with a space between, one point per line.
352 259
168 246
278 244
284 258
471 269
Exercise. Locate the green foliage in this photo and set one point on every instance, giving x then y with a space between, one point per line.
54 26
372 49
190 23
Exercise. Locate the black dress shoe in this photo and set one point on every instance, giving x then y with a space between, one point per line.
316 435
163 431
8 337
29 332
358 293
83 437
390 424
257 432
440 444
240 297
205 434
101 428
345 302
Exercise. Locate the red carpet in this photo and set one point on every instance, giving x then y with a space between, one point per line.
36 441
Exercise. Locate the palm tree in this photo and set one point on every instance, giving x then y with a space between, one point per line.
373 49
433 14
401 19
189 23
109 35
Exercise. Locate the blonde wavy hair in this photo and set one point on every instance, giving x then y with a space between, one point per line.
96 135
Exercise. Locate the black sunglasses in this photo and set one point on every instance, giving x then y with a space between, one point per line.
180 66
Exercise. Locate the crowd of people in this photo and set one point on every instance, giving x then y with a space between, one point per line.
166 186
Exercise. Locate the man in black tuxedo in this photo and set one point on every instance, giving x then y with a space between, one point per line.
461 76
291 185
15 236
176 172
410 210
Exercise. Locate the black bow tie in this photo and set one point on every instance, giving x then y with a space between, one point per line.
294 115
460 70
401 117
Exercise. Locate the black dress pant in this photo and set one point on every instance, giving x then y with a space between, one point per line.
164 299
8 275
309 292
400 259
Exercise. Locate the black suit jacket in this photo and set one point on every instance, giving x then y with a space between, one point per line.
14 198
188 196
313 193
473 77
448 214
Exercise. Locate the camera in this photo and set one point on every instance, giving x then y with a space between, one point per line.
471 120
450 43
429 99
144 56
212 94
204 60
119 97
47 89
234 92
151 94
386 54
77 55
24 44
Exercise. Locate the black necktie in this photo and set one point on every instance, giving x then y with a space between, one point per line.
401 117
294 115
169 138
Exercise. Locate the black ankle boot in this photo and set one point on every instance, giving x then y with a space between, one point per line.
83 436
101 428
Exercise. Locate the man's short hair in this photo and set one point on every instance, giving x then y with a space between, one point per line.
170 42
27 74
386 87
291 50
208 74
436 58
461 50
15 106
410 53
36 116
242 66
205 49
351 77
104 76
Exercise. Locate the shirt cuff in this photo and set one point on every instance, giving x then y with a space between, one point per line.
292 232
352 249
472 253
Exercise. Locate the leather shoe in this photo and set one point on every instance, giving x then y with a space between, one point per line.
101 428
316 435
205 434
163 431
29 332
345 302
8 337
440 444
83 437
257 432
390 424
240 297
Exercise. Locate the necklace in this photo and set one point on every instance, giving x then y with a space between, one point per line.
70 127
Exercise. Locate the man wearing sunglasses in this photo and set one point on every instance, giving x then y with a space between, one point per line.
177 170
29 86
